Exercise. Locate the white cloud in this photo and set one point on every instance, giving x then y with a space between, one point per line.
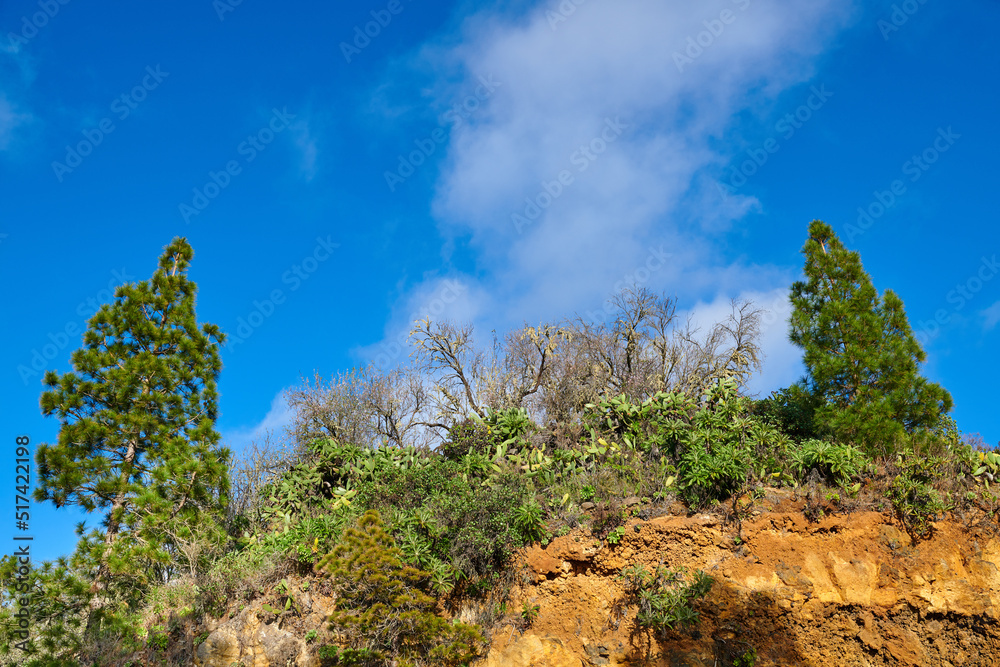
991 316
10 119
278 417
607 79
456 299
305 142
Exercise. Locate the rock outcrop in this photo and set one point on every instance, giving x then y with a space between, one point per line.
851 590
255 638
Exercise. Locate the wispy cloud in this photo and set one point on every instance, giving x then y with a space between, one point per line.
305 142
991 316
600 146
11 118
278 417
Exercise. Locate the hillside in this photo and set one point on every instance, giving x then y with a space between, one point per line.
579 493
848 589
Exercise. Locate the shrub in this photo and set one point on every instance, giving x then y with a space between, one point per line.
917 502
838 463
528 521
792 410
382 615
468 437
509 426
529 612
480 531
607 517
710 471
664 597
616 535
239 575
438 519
59 596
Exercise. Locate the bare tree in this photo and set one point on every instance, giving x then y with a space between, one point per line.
643 351
262 461
624 352
446 353
398 405
552 371
335 410
467 381
728 350
363 406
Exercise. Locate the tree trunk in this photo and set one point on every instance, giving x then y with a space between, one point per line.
114 526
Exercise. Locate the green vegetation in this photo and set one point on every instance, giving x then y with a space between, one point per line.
382 616
748 659
861 354
664 597
529 612
415 489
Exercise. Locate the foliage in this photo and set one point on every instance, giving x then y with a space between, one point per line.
551 418
911 493
468 437
717 452
528 521
985 467
529 612
860 352
836 462
303 511
241 574
664 597
382 614
59 601
137 437
791 410
440 520
509 426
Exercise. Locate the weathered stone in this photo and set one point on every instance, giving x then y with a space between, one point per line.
245 640
905 646
533 651
871 639
542 564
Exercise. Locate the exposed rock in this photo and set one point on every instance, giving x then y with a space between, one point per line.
852 591
246 641
532 651
542 564
849 590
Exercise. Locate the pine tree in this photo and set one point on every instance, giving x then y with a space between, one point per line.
137 438
383 613
859 350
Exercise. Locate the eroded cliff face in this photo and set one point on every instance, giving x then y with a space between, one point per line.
846 590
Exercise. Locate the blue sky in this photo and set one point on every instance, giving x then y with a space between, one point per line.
488 162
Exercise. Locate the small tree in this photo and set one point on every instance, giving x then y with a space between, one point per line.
860 353
137 438
382 613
